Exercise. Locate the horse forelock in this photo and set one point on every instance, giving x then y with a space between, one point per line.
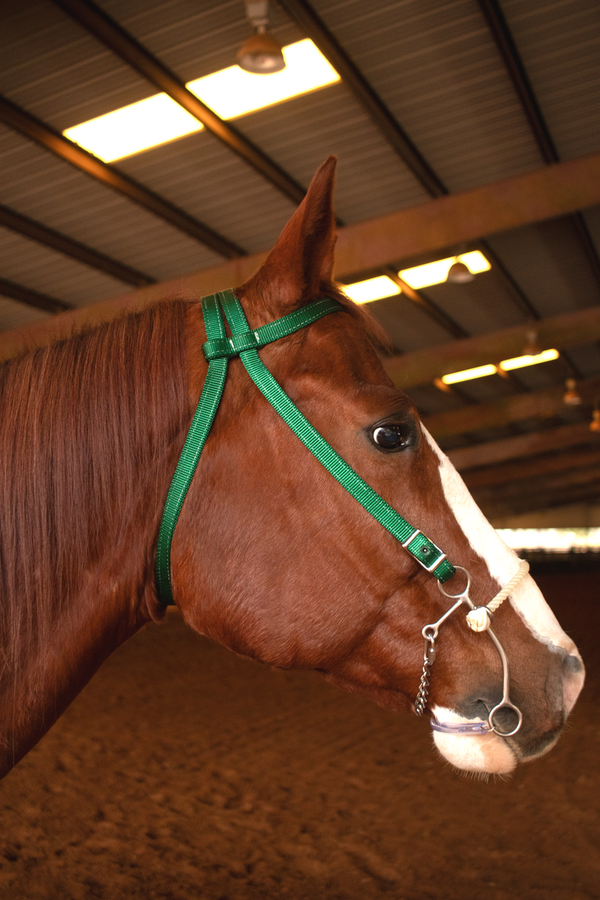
84 423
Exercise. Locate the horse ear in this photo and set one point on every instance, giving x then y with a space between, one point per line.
302 258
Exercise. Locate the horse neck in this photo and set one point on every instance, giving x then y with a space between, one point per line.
90 431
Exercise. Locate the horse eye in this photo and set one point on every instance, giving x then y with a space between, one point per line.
389 437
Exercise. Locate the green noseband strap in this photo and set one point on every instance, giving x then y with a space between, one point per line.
245 343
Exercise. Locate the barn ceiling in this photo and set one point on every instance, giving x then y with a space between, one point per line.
481 115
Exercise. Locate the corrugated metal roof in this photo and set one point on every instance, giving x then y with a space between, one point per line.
437 69
37 184
57 71
559 43
41 269
435 66
18 315
549 264
191 38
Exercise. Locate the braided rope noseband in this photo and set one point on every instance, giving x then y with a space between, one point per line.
480 618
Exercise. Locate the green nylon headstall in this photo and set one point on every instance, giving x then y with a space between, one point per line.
245 343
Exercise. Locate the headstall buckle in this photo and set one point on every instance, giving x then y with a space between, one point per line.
424 547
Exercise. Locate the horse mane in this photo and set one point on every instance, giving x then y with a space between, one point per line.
84 422
87 424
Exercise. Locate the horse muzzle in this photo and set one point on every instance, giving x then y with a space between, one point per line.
464 737
573 672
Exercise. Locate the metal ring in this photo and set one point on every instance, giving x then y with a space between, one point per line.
502 705
462 593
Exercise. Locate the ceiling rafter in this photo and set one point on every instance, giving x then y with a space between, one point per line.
9 218
428 306
563 332
493 453
32 298
540 405
430 227
517 295
36 130
307 19
498 509
126 47
536 467
511 57
513 493
467 216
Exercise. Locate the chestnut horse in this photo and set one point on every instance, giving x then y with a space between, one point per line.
271 556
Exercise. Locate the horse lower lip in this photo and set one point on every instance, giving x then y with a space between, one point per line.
466 728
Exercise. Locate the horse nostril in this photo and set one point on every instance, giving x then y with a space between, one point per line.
572 665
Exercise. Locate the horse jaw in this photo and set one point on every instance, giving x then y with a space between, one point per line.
486 754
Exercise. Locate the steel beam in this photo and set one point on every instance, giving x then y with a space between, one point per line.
548 484
515 68
560 332
492 453
541 405
74 249
113 36
31 297
428 306
431 227
526 469
500 508
471 215
307 19
312 25
587 494
36 130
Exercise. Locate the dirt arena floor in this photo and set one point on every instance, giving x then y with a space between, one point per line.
185 772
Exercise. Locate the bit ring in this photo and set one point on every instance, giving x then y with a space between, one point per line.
505 704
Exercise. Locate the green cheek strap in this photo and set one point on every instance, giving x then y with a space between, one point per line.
245 343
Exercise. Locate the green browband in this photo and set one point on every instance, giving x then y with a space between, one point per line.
245 343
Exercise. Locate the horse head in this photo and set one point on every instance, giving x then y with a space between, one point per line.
275 559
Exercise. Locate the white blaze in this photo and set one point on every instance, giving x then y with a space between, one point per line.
489 752
502 562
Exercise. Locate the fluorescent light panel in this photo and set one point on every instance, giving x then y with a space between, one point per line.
371 289
469 374
558 539
436 272
230 93
518 362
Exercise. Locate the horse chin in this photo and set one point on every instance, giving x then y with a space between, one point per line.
483 754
